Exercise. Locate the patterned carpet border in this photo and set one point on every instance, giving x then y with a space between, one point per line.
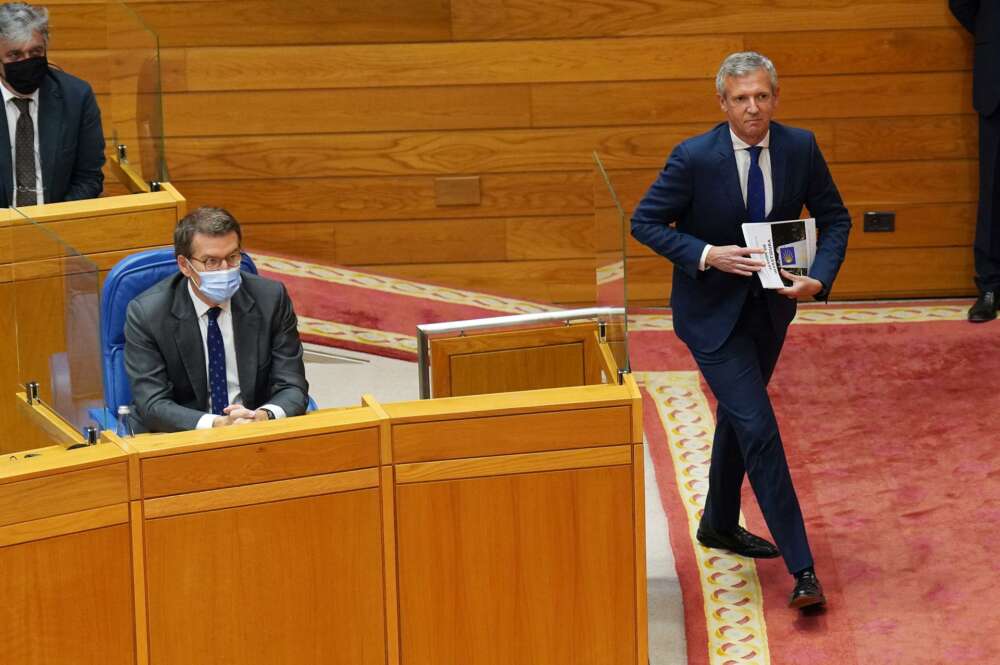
396 286
733 601
344 332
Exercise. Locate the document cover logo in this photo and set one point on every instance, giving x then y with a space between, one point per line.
787 256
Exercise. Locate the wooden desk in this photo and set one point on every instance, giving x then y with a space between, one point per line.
263 544
519 528
469 530
65 557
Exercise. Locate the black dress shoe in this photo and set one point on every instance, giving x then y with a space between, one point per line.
740 542
985 307
808 592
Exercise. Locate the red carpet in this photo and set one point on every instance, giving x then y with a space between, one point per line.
367 312
891 431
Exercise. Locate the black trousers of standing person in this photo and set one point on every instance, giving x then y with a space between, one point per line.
747 441
987 245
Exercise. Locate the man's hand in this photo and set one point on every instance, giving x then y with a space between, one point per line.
802 286
735 260
237 414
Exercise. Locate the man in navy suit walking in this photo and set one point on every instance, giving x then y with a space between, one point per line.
748 169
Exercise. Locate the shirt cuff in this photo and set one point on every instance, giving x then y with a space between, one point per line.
702 265
205 422
275 409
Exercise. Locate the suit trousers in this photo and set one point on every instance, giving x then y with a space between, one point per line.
987 245
747 441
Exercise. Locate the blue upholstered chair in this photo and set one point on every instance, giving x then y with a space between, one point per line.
130 277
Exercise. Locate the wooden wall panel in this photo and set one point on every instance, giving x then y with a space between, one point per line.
305 22
462 63
251 113
428 152
918 272
346 199
338 161
518 19
654 102
857 51
898 139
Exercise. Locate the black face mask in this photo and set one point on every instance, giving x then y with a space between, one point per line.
26 76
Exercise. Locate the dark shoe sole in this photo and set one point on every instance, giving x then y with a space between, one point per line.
719 545
807 601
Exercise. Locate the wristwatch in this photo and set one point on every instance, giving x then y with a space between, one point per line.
269 412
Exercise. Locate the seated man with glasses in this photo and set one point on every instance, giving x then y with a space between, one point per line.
212 346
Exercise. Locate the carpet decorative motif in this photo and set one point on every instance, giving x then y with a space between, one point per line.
373 313
733 601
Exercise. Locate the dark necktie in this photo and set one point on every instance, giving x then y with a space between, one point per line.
217 363
755 186
24 155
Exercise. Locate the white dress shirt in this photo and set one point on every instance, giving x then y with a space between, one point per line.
225 322
743 167
13 113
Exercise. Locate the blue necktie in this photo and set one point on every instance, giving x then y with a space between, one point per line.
755 186
217 363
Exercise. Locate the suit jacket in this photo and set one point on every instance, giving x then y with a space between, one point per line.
982 19
70 142
165 354
699 189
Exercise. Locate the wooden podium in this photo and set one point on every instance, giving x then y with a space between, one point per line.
494 528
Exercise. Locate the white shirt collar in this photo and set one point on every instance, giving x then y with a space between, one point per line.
200 306
8 95
740 144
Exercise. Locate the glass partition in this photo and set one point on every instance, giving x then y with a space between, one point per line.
610 232
136 104
55 315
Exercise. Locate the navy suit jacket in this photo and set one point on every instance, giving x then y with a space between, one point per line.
982 19
70 140
699 191
165 354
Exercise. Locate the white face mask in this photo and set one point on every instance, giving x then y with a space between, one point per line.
220 285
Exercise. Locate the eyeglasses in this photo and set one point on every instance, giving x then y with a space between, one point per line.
213 263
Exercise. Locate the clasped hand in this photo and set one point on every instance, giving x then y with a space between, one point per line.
802 286
735 260
237 414
739 261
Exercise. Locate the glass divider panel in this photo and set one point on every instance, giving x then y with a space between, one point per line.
610 233
136 94
56 313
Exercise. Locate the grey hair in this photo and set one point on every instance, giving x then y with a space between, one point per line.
741 64
207 221
19 21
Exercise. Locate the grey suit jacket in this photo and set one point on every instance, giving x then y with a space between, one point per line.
165 355
70 140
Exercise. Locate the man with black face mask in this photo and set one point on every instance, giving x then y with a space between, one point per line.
55 143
